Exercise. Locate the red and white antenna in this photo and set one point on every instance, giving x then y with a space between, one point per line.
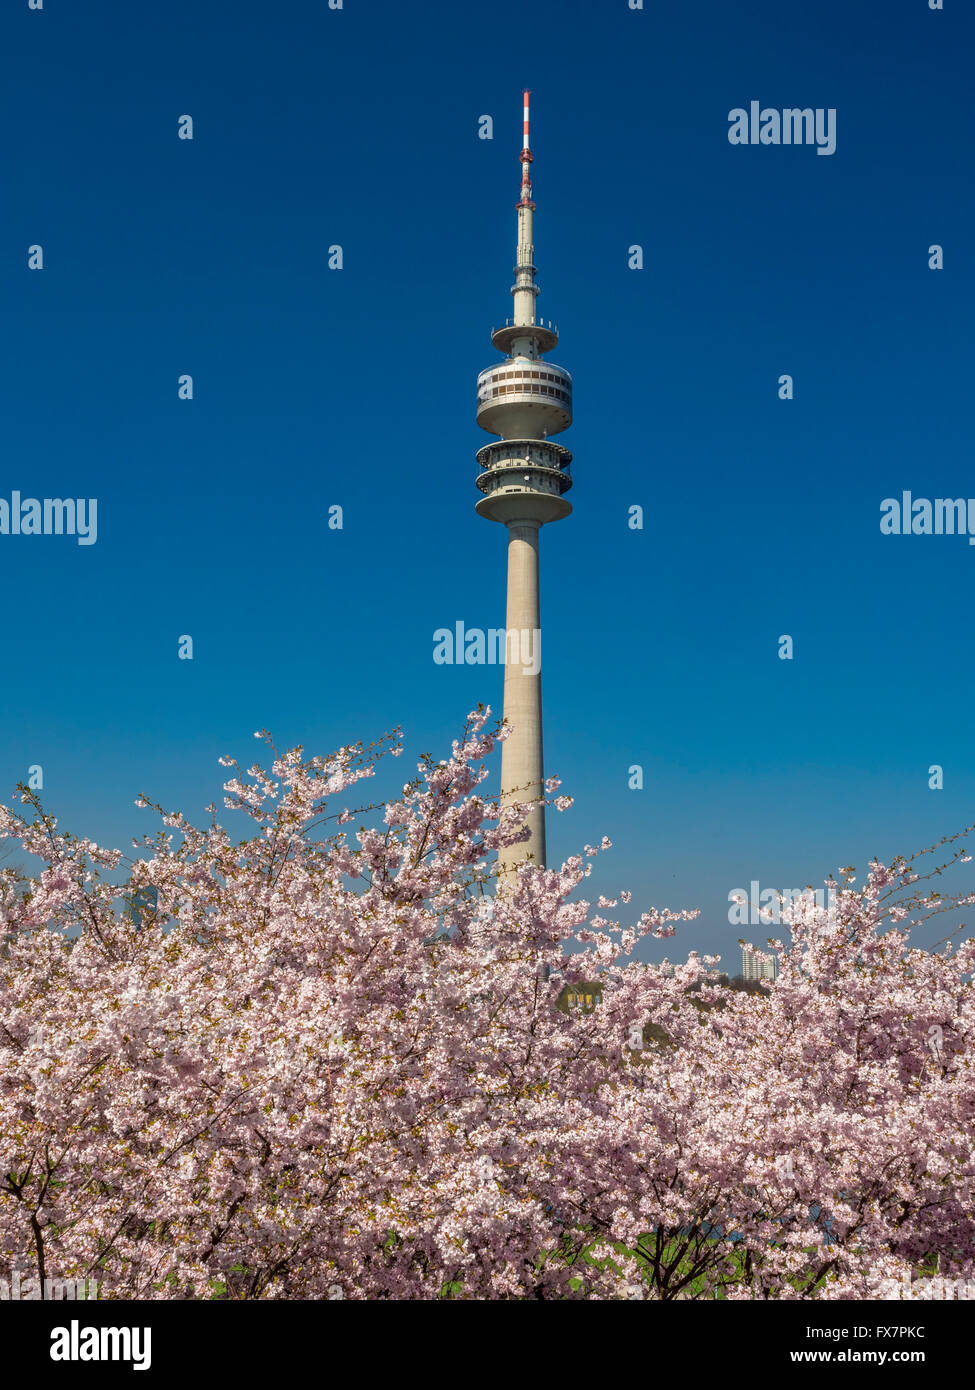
526 159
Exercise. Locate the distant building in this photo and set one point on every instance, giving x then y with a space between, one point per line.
585 996
754 968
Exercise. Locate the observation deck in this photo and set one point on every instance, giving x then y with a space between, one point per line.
524 397
524 478
546 335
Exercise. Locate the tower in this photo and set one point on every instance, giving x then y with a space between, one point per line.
524 477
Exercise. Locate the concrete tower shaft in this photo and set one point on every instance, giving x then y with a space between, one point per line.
524 476
522 759
524 290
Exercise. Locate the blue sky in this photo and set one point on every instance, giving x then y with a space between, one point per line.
314 388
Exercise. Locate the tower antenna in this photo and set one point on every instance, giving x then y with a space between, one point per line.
526 158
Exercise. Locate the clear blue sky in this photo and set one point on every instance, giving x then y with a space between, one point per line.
356 387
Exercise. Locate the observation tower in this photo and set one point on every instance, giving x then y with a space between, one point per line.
524 477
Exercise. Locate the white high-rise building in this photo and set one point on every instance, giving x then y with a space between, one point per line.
524 400
752 968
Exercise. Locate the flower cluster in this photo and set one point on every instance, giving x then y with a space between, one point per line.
322 1062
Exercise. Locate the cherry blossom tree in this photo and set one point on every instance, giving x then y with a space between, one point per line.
326 1062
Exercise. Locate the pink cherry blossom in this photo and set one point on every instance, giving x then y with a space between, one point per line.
330 1063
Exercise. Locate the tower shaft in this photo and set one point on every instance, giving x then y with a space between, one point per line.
522 762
